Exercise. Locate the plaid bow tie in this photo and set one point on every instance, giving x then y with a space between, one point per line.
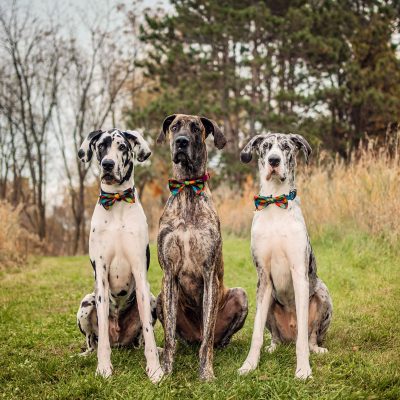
281 201
107 200
197 184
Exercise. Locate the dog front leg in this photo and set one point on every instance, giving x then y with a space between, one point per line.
153 368
210 309
264 293
301 292
104 367
170 300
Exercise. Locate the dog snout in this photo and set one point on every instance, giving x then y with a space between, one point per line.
274 160
108 165
182 142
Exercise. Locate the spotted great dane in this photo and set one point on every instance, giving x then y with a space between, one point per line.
194 303
121 311
292 301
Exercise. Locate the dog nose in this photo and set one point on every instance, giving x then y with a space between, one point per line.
274 161
108 165
182 142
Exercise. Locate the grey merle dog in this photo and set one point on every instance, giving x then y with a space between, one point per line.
121 310
194 303
292 302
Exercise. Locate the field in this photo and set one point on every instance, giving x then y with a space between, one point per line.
39 340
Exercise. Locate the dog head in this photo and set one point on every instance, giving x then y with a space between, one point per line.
276 154
115 153
187 135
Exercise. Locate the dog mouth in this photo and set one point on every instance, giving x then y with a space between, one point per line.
273 173
181 157
108 178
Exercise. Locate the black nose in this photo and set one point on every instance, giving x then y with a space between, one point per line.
108 165
182 142
274 161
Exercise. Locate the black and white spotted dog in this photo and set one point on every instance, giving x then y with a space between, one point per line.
292 301
121 310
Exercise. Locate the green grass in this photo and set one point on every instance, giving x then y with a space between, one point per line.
39 340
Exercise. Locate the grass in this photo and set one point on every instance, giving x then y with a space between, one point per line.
39 340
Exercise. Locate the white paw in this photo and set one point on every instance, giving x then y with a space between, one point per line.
303 372
86 353
318 350
155 374
160 351
246 368
104 370
271 348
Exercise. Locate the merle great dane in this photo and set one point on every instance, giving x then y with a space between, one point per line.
292 301
121 311
194 303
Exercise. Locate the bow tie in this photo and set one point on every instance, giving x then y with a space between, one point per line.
197 184
281 201
107 200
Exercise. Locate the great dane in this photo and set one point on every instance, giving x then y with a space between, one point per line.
121 311
292 301
194 303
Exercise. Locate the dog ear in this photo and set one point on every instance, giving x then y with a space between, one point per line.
301 144
164 129
85 152
247 153
211 127
136 139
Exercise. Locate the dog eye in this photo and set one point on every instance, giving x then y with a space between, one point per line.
122 147
100 146
285 146
173 128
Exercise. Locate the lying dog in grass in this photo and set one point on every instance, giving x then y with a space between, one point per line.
121 311
292 301
194 303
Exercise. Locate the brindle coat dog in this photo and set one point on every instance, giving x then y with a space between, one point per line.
194 303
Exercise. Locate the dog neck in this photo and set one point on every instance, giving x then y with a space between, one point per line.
275 187
180 172
116 187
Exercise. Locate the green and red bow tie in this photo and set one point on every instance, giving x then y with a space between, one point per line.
107 200
281 201
197 184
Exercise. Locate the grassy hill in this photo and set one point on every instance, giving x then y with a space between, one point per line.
39 340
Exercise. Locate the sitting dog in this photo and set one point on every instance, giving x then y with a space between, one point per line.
292 301
121 310
194 302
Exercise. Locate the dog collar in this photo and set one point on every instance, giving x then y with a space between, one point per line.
197 184
281 201
107 200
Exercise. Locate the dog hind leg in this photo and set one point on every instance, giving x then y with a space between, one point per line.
87 322
231 316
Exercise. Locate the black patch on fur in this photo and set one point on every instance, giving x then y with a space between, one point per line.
85 304
148 257
122 293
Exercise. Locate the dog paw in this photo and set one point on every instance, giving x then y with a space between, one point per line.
160 351
155 374
104 370
207 375
318 350
303 372
246 368
271 348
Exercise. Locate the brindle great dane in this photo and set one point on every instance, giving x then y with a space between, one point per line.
194 303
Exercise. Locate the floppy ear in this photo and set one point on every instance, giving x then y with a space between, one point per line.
86 150
211 127
136 139
164 129
301 144
246 154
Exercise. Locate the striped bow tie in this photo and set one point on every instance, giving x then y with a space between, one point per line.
281 201
197 184
107 200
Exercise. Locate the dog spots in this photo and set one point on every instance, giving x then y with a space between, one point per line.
147 329
104 267
93 230
148 257
85 304
122 293
81 153
99 299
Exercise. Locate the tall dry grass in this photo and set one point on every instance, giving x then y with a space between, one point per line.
16 243
362 193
